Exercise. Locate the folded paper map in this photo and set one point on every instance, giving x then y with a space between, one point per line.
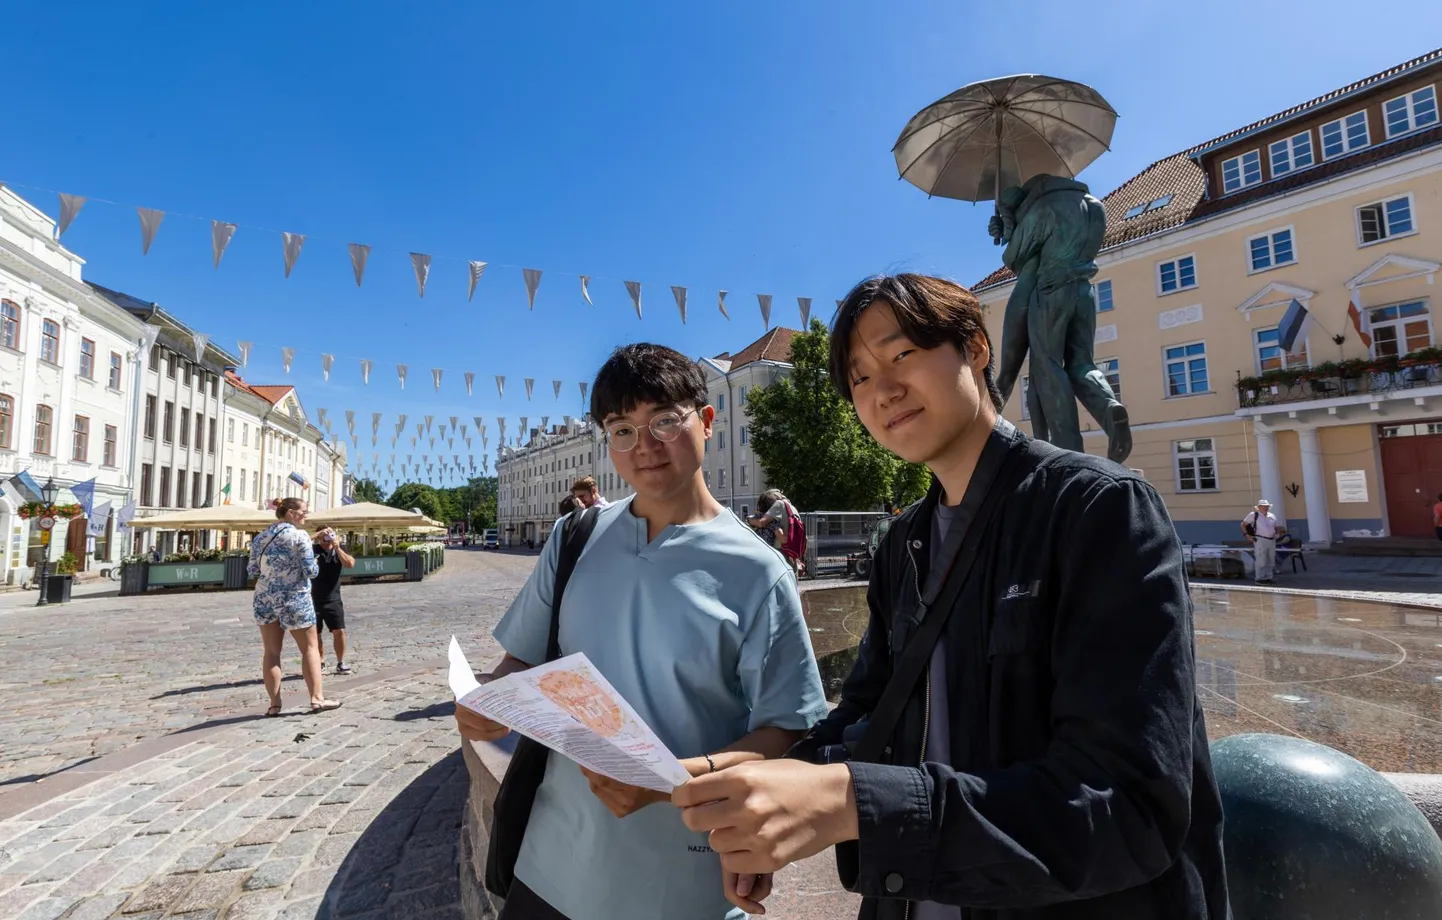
570 708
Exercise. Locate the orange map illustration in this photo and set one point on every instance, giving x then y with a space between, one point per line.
584 701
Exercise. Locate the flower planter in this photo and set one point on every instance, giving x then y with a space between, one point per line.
375 566
185 574
236 576
134 578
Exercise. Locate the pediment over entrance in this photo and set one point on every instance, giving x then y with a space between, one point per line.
1394 267
1276 294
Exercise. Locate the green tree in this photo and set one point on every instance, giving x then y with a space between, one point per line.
419 495
367 490
811 445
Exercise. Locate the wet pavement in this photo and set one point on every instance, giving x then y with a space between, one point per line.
1362 677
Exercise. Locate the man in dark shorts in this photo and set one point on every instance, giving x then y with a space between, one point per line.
330 557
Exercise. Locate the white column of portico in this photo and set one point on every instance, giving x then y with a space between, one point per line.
1314 484
1270 471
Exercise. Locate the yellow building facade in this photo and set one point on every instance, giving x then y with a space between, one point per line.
1335 202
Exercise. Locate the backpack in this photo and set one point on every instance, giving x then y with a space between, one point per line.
795 545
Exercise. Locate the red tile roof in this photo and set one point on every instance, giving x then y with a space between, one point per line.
775 345
1182 176
271 394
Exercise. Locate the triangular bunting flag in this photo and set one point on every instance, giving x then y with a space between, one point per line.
634 289
530 387
721 302
430 420
533 281
805 304
680 294
477 269
454 419
220 234
556 386
326 363
765 301
501 386
360 253
585 289
245 348
149 225
422 264
583 392
199 340
436 376
286 356
350 419
401 373
70 206
470 381
292 243
479 425
366 365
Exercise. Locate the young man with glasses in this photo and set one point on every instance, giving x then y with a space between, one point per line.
694 621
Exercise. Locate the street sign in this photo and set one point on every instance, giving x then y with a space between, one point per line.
46 523
44 538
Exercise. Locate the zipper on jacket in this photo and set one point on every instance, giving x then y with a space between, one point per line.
926 677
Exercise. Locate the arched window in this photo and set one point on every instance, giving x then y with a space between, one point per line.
10 324
7 420
44 418
50 341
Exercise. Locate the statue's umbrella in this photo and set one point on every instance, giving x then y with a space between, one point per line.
997 133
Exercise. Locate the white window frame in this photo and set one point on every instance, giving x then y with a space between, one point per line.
1117 389
1270 237
1111 294
1176 260
1178 454
1401 322
1347 146
1241 161
1291 145
1411 213
1287 362
1186 359
1408 100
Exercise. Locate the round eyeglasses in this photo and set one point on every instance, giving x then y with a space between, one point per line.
623 436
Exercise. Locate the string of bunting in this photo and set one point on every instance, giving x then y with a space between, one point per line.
222 233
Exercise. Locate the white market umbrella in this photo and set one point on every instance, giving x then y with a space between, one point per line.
998 133
219 517
367 515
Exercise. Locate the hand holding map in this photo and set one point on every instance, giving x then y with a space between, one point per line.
570 708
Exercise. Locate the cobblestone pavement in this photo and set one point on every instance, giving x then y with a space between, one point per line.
350 814
104 672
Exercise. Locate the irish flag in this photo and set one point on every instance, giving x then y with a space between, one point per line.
1360 320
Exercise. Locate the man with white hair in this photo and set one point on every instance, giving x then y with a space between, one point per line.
1261 528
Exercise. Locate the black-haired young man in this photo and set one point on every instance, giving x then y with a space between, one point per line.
1043 754
694 621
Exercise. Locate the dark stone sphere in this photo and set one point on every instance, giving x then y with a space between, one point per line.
1311 833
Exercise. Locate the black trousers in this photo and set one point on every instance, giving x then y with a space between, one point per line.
525 904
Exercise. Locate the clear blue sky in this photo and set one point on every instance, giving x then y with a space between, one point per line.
743 146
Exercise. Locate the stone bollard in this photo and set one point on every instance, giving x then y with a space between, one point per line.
1312 833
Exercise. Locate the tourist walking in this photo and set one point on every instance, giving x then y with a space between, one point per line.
1021 735
282 562
780 526
1261 528
585 491
695 623
330 559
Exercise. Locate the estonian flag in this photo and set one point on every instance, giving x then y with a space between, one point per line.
28 488
1294 326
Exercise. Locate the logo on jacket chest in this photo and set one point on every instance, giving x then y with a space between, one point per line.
1026 589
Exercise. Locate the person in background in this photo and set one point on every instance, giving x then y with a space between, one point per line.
1261 528
587 492
773 522
282 562
330 559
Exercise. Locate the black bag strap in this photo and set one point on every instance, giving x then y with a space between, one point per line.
998 470
574 534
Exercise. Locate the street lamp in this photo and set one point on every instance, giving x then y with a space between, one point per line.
48 493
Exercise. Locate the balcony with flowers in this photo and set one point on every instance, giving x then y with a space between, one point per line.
1387 375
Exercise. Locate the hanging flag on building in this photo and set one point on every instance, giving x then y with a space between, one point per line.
1294 325
84 493
96 520
1361 321
126 515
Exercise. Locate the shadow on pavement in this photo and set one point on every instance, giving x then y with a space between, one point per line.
430 712
407 861
228 685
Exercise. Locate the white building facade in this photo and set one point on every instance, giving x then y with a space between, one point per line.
68 377
268 438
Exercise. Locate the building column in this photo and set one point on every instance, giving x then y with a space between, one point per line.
1314 484
1269 470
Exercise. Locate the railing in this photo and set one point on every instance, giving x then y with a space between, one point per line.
1359 378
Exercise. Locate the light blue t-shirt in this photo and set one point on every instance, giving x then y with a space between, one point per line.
701 631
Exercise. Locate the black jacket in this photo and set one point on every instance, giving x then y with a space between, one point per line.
1081 784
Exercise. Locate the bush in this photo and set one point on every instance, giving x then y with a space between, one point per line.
67 564
209 555
385 549
178 557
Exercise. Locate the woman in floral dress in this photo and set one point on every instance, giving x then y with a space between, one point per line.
283 563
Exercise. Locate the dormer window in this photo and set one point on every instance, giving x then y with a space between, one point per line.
1241 171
